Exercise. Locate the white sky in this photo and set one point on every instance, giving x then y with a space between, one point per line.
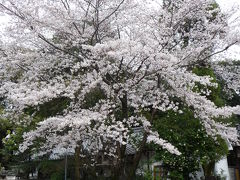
227 5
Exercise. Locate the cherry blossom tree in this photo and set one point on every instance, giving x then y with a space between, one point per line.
229 72
138 54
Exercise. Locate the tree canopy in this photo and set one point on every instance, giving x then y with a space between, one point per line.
104 64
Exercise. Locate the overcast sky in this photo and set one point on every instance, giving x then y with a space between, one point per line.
228 3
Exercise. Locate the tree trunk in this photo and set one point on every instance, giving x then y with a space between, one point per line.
138 154
208 170
186 175
137 158
118 170
77 163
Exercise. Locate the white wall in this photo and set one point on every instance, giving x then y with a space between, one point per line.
221 168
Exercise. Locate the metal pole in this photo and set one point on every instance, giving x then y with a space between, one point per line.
65 167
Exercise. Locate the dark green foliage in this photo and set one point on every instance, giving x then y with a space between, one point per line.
175 175
47 169
235 100
50 169
48 109
231 97
217 94
15 132
187 134
93 97
231 63
204 71
5 127
213 7
11 145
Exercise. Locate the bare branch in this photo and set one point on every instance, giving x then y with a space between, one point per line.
11 11
104 19
218 52
56 47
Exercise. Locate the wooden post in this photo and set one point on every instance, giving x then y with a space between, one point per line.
65 168
155 174
77 163
237 174
237 164
159 173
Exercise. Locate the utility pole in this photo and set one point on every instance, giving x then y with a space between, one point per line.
66 167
